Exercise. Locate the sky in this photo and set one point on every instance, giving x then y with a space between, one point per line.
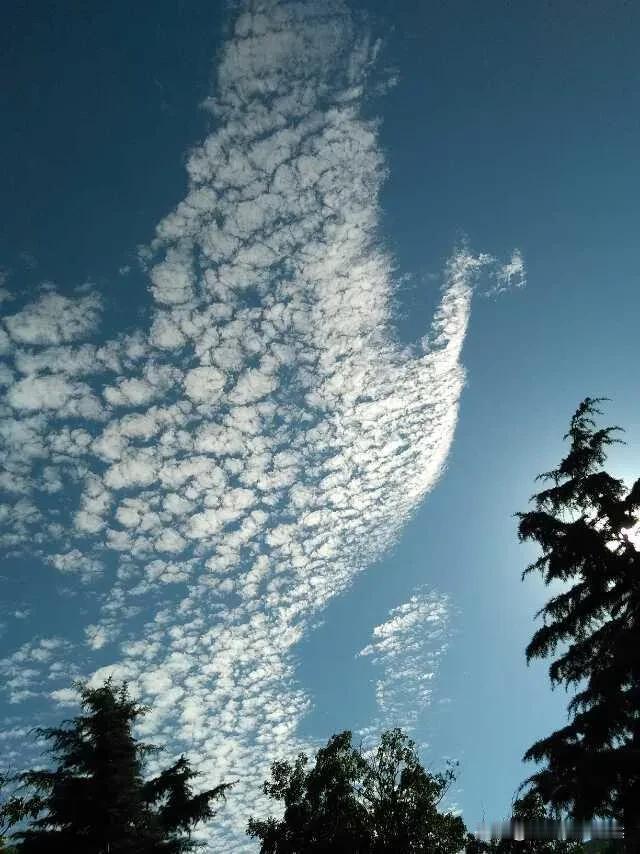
297 300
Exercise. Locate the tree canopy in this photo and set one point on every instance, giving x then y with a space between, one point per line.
530 810
96 799
581 521
361 802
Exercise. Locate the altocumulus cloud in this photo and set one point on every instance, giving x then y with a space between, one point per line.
263 441
406 649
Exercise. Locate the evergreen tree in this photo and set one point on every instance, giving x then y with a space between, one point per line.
96 800
5 817
358 802
581 522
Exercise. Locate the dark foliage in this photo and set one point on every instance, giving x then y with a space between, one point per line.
359 802
581 522
528 808
96 799
5 818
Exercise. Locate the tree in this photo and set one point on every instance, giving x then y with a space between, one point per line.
581 522
530 811
363 803
404 800
5 822
96 800
322 810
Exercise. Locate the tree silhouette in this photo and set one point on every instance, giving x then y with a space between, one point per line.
581 522
365 803
96 800
529 809
5 813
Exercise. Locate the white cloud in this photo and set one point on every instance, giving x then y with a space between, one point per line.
170 541
54 319
508 276
65 697
134 469
204 385
232 518
166 334
96 636
69 360
24 672
133 392
54 392
172 279
78 563
407 649
252 386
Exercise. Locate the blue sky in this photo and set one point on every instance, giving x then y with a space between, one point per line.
238 473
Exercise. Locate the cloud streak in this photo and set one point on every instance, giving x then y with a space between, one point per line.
265 439
407 649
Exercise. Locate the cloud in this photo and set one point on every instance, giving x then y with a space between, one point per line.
406 649
233 467
136 392
65 697
172 278
24 670
97 636
77 563
56 393
204 385
54 319
509 276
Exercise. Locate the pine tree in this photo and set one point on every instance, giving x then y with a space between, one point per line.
581 522
5 817
96 800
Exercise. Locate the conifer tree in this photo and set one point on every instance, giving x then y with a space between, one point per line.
5 817
96 800
581 521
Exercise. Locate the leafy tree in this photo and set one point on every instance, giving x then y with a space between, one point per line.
358 802
322 810
581 522
96 800
404 799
